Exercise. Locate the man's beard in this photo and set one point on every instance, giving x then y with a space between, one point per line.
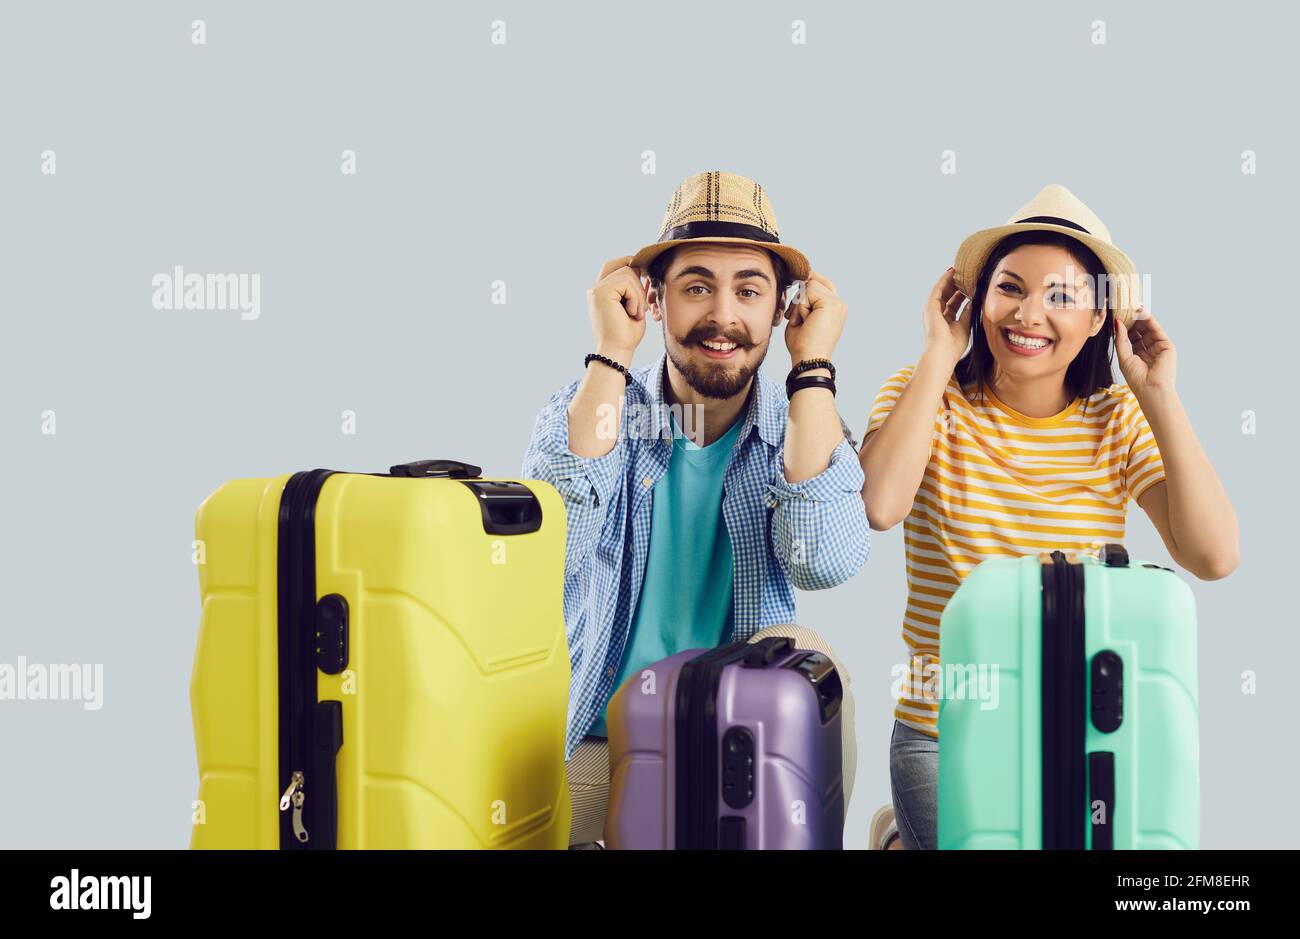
721 381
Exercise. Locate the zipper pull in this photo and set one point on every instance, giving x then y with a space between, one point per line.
299 831
295 783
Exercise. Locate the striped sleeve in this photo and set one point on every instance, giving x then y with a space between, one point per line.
1143 467
886 396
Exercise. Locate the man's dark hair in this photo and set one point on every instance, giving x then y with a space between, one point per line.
658 270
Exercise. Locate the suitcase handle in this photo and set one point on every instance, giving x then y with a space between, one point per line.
453 469
1113 555
764 652
508 507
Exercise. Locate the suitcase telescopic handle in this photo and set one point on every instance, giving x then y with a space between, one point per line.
453 469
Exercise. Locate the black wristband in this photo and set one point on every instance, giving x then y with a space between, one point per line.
808 364
808 381
597 357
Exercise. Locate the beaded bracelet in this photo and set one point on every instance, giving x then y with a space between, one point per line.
596 356
808 364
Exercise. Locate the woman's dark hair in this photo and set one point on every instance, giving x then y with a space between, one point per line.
1091 369
658 270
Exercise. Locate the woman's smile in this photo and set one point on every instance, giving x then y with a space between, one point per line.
1024 343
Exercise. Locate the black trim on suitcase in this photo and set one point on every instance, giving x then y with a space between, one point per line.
1064 712
310 732
738 768
731 833
332 633
508 508
328 737
820 672
763 653
1107 696
697 749
1113 555
1101 788
454 469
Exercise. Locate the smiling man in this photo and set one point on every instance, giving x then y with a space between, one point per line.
699 492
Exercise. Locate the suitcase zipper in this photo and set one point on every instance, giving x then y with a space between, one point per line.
303 746
295 783
296 797
698 749
1064 793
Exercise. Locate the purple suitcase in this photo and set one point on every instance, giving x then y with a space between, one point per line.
733 747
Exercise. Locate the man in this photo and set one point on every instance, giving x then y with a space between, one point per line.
677 543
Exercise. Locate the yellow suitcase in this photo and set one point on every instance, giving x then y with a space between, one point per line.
381 662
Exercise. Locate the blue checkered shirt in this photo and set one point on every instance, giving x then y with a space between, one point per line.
812 534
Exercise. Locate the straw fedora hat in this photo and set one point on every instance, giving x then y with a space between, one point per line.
1059 210
725 208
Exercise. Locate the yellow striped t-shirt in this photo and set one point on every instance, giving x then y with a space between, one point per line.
1000 483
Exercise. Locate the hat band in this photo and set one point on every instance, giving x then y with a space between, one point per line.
711 229
1054 220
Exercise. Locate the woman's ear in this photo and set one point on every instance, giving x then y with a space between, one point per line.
1098 321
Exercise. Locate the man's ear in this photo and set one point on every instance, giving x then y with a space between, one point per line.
652 299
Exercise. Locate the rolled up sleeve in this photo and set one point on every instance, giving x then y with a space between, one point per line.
819 525
587 484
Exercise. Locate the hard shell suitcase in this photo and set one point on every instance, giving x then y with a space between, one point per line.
381 662
1093 739
728 748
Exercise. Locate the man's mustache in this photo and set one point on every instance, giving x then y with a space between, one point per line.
699 335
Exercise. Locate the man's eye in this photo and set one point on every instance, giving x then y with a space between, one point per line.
696 286
749 290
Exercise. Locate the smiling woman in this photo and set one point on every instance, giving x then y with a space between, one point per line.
1025 443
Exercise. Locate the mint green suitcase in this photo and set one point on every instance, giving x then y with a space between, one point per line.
1085 734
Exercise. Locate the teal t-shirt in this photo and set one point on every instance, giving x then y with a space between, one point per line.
686 595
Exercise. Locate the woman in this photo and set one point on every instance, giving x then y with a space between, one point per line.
1024 444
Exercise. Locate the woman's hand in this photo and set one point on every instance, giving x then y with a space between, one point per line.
1147 357
945 334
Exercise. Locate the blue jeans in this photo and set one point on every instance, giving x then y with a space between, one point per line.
914 786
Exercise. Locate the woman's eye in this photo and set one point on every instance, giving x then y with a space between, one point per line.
1061 300
1009 288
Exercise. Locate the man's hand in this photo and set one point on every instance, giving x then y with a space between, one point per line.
617 306
815 322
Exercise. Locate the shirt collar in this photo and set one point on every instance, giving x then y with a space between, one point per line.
765 409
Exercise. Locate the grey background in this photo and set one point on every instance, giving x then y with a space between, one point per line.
522 162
